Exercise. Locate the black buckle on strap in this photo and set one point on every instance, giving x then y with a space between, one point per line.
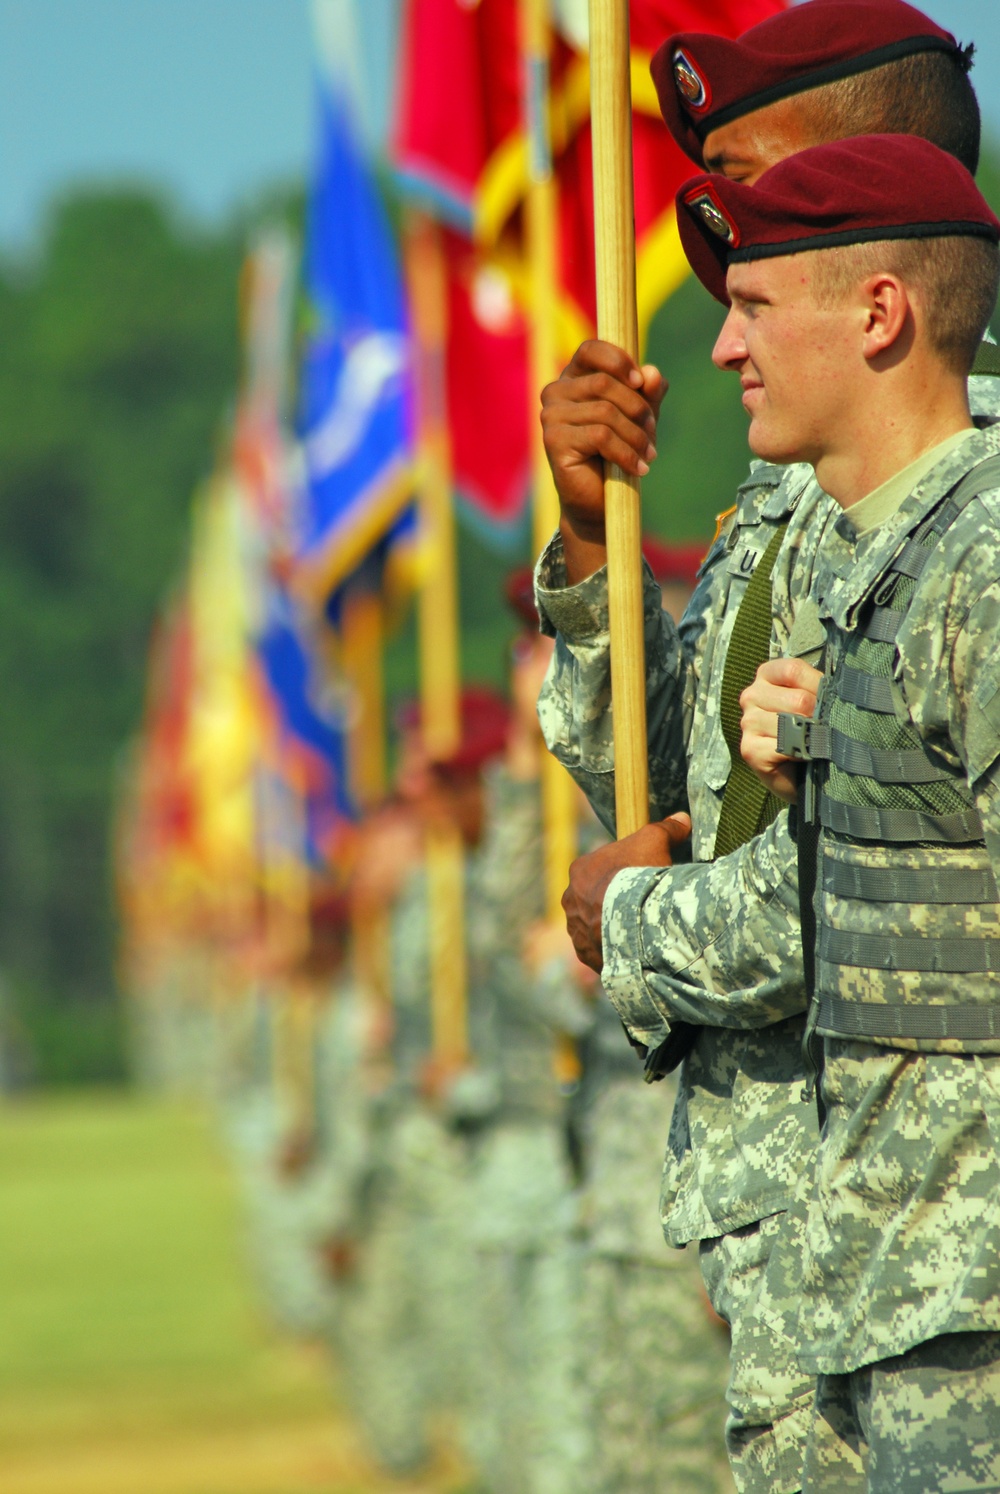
803 738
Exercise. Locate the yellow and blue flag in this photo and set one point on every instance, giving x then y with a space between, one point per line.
354 422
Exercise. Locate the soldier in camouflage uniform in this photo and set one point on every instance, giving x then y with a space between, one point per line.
345 1112
410 1312
899 1267
529 1428
654 1363
676 944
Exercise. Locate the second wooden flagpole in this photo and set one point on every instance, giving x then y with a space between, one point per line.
440 675
559 812
617 322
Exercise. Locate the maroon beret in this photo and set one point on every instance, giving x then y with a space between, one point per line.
485 721
856 191
704 81
670 562
519 589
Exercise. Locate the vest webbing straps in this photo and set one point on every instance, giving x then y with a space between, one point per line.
882 765
864 822
961 1022
902 947
747 806
883 884
867 691
883 625
915 953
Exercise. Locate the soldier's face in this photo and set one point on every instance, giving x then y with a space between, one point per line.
745 148
799 362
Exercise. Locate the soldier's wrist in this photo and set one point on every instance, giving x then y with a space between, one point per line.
584 548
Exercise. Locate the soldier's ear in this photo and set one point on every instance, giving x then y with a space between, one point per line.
888 324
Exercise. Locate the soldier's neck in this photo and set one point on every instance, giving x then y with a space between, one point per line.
881 436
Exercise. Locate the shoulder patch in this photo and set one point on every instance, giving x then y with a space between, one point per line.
721 523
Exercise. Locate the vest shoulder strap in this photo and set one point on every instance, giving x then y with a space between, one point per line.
987 359
747 807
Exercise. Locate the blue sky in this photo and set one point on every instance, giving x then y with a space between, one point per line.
209 98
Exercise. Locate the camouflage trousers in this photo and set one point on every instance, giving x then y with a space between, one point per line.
770 1398
379 1342
528 1424
925 1420
532 1436
654 1369
403 1326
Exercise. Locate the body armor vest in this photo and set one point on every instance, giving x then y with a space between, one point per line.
907 906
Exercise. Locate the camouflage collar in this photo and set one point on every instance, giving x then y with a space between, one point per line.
868 557
772 493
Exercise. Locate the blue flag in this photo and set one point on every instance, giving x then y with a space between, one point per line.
354 417
311 728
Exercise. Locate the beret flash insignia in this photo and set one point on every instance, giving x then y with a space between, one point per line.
691 85
715 216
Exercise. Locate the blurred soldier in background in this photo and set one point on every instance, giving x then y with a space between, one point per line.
529 1427
407 1310
268 1058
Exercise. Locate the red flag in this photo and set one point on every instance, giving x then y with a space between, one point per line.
487 383
461 142
460 97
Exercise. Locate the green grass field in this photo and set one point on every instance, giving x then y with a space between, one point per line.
134 1358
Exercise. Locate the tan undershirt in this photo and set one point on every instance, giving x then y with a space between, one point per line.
880 504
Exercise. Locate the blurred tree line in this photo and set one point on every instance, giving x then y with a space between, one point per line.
118 357
118 365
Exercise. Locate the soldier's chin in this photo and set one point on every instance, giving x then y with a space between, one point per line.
769 445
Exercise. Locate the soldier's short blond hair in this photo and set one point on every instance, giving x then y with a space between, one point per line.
955 277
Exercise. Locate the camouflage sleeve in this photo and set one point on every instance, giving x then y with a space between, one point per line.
713 943
509 863
559 1001
575 703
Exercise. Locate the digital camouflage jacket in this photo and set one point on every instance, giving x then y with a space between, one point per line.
711 943
676 947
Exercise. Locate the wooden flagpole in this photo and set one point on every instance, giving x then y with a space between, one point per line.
363 663
362 649
617 322
438 636
559 820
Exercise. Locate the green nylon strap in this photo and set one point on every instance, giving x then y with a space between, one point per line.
747 807
987 359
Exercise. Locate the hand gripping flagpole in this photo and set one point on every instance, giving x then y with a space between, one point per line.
617 322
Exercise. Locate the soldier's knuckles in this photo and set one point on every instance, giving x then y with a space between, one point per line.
607 412
592 353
